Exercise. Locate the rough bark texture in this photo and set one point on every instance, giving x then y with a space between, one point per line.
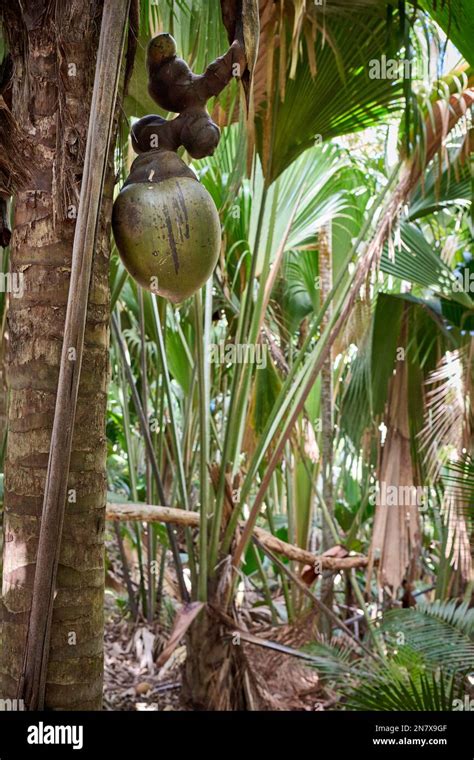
327 422
52 94
216 675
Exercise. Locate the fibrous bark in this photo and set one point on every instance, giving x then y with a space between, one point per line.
396 533
51 96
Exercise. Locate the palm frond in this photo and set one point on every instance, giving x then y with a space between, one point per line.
456 19
442 634
341 98
458 512
451 188
446 414
428 651
459 476
335 660
460 616
413 259
401 692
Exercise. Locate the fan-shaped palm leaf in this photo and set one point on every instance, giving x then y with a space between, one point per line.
413 259
442 634
341 98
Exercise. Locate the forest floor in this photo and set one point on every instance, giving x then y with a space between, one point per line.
132 681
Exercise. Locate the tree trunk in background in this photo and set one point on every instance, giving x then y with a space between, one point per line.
52 95
327 422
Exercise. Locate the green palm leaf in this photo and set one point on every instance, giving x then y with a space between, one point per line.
341 98
441 633
428 650
459 477
452 189
401 692
415 260
455 17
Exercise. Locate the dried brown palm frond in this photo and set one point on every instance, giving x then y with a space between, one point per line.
449 250
356 329
454 511
445 434
286 683
14 153
447 412
458 480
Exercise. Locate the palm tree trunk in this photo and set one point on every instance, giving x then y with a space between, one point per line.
52 88
327 421
215 674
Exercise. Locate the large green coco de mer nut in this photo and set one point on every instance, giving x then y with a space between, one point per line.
168 235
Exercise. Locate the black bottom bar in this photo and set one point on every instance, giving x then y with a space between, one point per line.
128 734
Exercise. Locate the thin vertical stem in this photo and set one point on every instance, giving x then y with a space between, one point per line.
243 322
327 419
177 448
202 354
126 572
150 539
154 465
131 473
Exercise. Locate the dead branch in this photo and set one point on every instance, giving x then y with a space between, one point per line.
149 513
